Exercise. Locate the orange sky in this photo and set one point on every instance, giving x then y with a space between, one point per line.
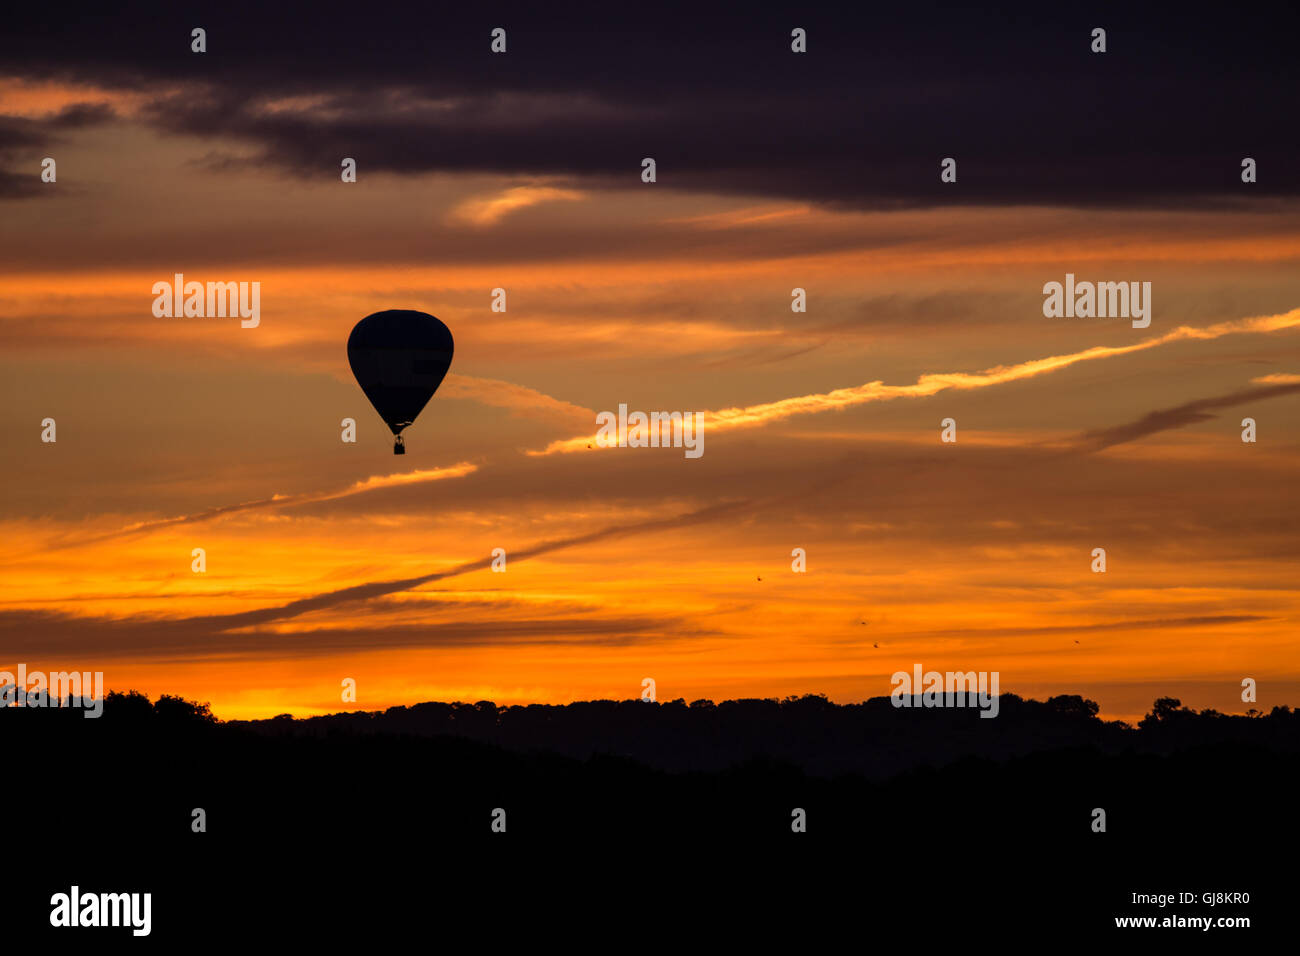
968 556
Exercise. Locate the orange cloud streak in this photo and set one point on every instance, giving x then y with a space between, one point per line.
487 211
310 497
935 382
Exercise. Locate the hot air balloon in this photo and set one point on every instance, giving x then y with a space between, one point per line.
399 358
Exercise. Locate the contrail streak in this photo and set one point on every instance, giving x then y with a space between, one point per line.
374 589
934 382
281 501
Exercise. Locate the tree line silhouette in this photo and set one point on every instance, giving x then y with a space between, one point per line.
934 793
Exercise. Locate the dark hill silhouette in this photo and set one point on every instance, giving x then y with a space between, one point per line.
872 739
994 812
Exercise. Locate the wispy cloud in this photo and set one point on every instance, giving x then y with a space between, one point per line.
382 481
24 631
1132 624
743 217
934 382
1189 413
489 210
519 399
372 483
1277 378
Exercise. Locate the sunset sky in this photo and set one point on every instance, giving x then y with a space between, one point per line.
775 170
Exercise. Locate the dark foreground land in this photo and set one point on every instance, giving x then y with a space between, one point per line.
652 824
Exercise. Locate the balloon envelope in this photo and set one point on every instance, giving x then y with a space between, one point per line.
399 358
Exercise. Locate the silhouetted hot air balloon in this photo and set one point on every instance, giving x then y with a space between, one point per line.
399 358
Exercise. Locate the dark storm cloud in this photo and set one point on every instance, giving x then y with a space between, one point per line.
861 120
23 131
21 135
17 185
